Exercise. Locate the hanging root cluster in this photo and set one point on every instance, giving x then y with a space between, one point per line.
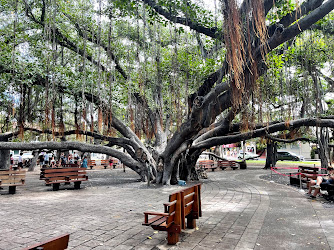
234 40
259 25
243 66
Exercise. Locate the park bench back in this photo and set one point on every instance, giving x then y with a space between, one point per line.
207 164
12 178
91 163
57 243
56 176
105 163
191 205
66 174
223 164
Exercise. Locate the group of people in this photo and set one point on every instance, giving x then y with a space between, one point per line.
21 163
70 159
46 160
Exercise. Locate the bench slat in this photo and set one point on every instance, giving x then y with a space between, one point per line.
188 198
11 177
160 224
188 191
6 172
55 182
60 170
188 208
55 179
12 181
64 174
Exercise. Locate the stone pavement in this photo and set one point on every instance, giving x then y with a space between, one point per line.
240 211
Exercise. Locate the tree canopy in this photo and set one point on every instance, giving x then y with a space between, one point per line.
163 79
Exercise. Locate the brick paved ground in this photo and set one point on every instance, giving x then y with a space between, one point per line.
240 211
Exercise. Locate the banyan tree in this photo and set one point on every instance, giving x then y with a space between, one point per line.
154 83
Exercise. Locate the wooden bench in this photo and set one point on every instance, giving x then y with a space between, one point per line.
91 164
105 163
12 178
57 243
225 164
207 164
55 176
183 204
304 175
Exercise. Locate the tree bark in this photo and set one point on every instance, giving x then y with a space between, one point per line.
271 155
33 162
4 156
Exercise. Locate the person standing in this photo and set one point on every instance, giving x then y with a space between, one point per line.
20 161
46 159
53 162
11 161
110 162
41 159
62 159
84 162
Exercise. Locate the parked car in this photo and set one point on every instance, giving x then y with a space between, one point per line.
25 156
288 156
248 155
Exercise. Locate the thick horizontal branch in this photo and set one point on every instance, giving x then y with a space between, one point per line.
112 140
211 32
273 138
221 140
288 19
300 26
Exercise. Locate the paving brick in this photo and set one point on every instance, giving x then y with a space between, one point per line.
108 211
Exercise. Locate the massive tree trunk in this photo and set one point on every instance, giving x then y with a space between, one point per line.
4 159
4 156
33 162
323 138
271 154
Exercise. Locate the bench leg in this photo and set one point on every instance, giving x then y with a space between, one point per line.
91 167
12 189
77 184
191 223
55 186
173 234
